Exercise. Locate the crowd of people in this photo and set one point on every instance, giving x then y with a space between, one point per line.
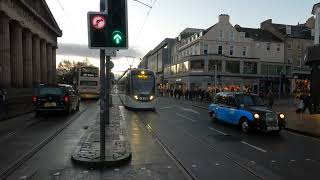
190 94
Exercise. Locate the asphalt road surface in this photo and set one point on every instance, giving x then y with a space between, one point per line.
177 141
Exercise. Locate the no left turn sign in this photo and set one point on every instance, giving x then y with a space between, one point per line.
99 22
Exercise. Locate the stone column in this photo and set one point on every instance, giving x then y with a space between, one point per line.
36 60
5 65
16 54
43 61
49 62
54 64
27 58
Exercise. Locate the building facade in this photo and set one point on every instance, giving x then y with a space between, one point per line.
28 44
227 57
157 58
296 38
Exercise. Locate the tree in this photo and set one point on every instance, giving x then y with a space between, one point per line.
66 70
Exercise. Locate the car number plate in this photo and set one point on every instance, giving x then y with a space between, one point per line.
50 105
273 128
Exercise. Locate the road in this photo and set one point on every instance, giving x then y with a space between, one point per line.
177 141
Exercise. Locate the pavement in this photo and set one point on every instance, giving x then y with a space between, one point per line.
117 146
304 124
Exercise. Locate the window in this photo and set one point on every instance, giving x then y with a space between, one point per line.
299 46
278 47
250 68
197 66
88 83
220 50
221 34
233 67
213 63
222 100
231 102
231 50
205 49
289 61
231 35
242 34
244 51
268 46
300 61
289 46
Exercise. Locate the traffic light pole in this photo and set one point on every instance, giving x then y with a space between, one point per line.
103 108
107 103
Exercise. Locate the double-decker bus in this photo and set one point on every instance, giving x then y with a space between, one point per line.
136 88
87 82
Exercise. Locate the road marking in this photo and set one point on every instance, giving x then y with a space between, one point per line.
116 170
253 146
212 129
308 159
189 110
194 166
169 107
143 168
217 164
169 167
185 117
273 161
301 135
292 160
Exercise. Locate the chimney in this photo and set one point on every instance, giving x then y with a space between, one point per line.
310 22
288 30
224 18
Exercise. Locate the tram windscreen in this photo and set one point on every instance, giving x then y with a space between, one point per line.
143 84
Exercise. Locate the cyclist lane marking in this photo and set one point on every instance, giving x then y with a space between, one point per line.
215 130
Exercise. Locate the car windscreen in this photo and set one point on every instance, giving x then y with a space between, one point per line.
59 91
250 100
88 83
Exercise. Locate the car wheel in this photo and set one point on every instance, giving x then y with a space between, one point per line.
78 106
244 125
213 117
36 113
68 111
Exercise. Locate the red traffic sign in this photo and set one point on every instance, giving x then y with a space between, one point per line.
98 22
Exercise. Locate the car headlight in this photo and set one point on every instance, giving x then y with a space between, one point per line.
151 97
136 97
256 116
282 116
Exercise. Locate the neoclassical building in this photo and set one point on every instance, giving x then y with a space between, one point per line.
28 43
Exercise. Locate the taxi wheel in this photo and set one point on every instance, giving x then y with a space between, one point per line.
213 117
244 125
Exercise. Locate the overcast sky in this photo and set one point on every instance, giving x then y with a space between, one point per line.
166 20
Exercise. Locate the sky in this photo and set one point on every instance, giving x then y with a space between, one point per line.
166 19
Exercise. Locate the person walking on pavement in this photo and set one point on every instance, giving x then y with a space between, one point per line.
270 97
307 104
186 94
2 102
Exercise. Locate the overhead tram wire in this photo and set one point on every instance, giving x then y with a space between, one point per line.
145 20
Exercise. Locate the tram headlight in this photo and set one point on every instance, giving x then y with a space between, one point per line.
151 98
136 97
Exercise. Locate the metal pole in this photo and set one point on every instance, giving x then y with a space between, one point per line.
215 75
102 95
107 89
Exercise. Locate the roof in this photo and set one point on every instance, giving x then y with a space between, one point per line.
259 34
42 11
297 31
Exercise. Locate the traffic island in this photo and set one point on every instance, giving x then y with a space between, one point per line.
118 150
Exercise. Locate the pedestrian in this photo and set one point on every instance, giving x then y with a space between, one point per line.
270 97
191 94
300 104
187 94
2 102
307 104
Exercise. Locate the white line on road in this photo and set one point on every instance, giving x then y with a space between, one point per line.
185 117
189 110
169 107
212 129
253 146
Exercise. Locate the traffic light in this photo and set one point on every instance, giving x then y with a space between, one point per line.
109 30
118 18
